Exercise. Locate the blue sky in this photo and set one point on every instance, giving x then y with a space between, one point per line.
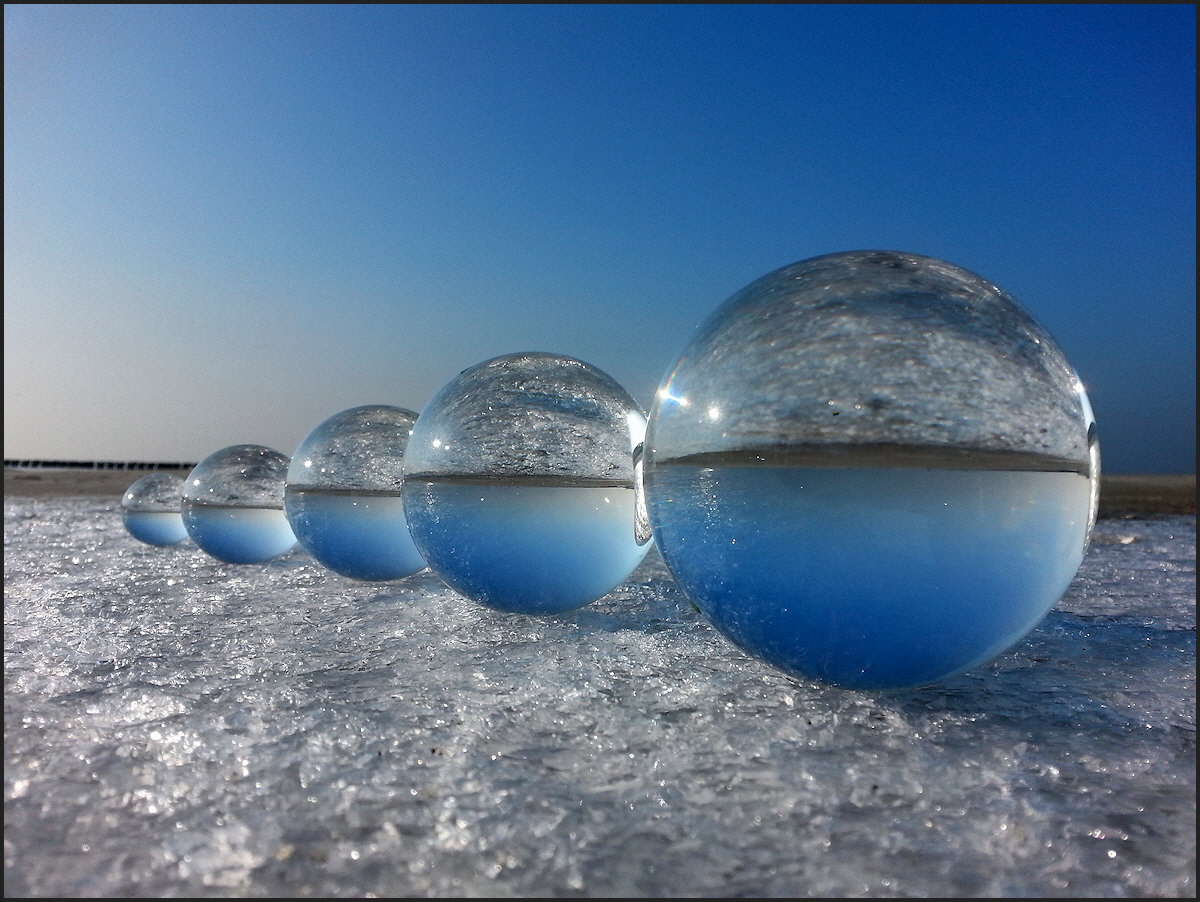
223 224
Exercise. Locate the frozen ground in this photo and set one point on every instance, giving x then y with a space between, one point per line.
175 726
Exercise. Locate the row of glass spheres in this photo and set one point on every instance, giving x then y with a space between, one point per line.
872 469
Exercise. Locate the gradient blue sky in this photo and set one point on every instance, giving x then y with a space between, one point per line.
224 224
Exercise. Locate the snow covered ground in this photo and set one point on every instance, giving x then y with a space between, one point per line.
176 726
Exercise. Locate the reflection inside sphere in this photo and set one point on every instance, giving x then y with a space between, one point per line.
343 493
150 509
233 505
873 469
519 483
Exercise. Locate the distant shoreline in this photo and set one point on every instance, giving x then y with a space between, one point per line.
46 482
1150 493
1120 494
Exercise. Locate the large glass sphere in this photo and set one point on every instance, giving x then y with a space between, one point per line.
343 493
233 505
150 509
872 469
519 483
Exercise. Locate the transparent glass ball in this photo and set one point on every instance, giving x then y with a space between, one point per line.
233 505
342 497
872 469
150 509
519 483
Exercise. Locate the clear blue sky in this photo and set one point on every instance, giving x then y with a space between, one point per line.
223 224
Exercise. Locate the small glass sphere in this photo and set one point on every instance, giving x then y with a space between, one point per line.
150 509
343 493
872 469
233 505
519 483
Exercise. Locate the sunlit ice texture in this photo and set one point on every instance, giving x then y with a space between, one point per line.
175 727
519 483
151 508
873 469
343 499
233 504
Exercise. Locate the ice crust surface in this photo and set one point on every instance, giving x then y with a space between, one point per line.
177 726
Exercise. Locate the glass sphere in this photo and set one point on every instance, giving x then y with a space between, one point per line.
519 483
233 505
342 497
872 469
150 509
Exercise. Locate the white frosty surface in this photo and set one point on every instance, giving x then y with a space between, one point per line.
177 726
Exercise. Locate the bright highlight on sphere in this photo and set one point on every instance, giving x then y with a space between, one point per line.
872 469
150 509
342 497
233 505
519 483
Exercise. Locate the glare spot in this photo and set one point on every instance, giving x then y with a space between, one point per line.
665 395
637 427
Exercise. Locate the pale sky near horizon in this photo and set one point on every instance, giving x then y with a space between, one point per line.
225 223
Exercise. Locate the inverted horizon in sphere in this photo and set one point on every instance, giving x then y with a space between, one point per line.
872 469
519 483
232 504
343 493
151 509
